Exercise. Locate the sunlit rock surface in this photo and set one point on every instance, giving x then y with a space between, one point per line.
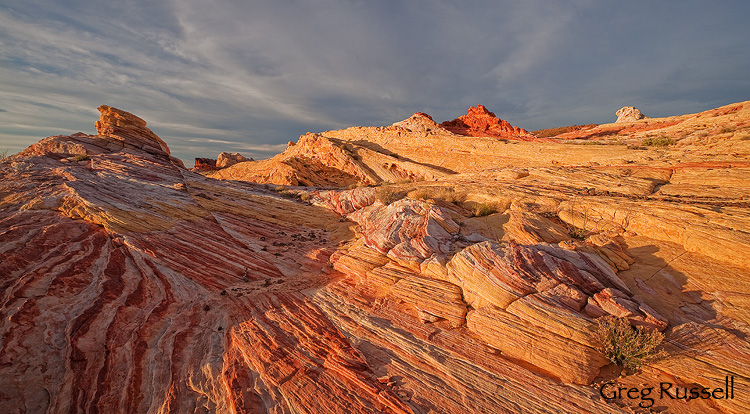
473 284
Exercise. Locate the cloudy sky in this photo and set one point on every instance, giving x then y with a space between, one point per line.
250 75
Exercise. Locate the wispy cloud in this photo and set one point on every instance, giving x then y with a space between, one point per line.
249 76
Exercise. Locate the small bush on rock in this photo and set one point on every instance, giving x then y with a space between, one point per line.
660 141
448 194
485 209
628 346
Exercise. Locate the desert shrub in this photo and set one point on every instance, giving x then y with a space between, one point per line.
589 142
485 209
288 194
727 129
388 195
448 194
305 196
628 346
660 141
3 154
80 157
745 138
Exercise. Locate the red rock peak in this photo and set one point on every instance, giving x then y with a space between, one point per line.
480 122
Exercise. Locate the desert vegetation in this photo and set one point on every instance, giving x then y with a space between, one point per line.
448 194
660 141
484 209
627 346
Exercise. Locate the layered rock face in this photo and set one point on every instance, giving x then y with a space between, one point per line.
479 121
471 282
129 129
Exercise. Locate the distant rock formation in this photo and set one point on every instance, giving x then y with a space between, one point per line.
629 114
480 122
316 160
226 159
419 122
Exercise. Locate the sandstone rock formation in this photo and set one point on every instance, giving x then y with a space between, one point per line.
480 122
317 160
629 114
420 122
129 129
226 159
471 281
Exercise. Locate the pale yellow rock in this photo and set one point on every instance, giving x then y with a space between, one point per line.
435 297
566 359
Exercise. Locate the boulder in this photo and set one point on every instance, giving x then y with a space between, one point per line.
629 114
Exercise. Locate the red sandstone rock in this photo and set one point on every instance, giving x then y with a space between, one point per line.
205 164
480 122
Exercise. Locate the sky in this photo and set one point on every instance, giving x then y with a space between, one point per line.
249 76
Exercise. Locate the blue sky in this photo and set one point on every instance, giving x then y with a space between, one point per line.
248 76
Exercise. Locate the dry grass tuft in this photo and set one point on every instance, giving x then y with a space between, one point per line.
448 194
485 209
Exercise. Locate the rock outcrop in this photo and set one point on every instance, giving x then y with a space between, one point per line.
226 159
420 122
629 114
205 164
479 121
128 128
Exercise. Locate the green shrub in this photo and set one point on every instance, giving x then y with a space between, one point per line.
660 141
627 346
